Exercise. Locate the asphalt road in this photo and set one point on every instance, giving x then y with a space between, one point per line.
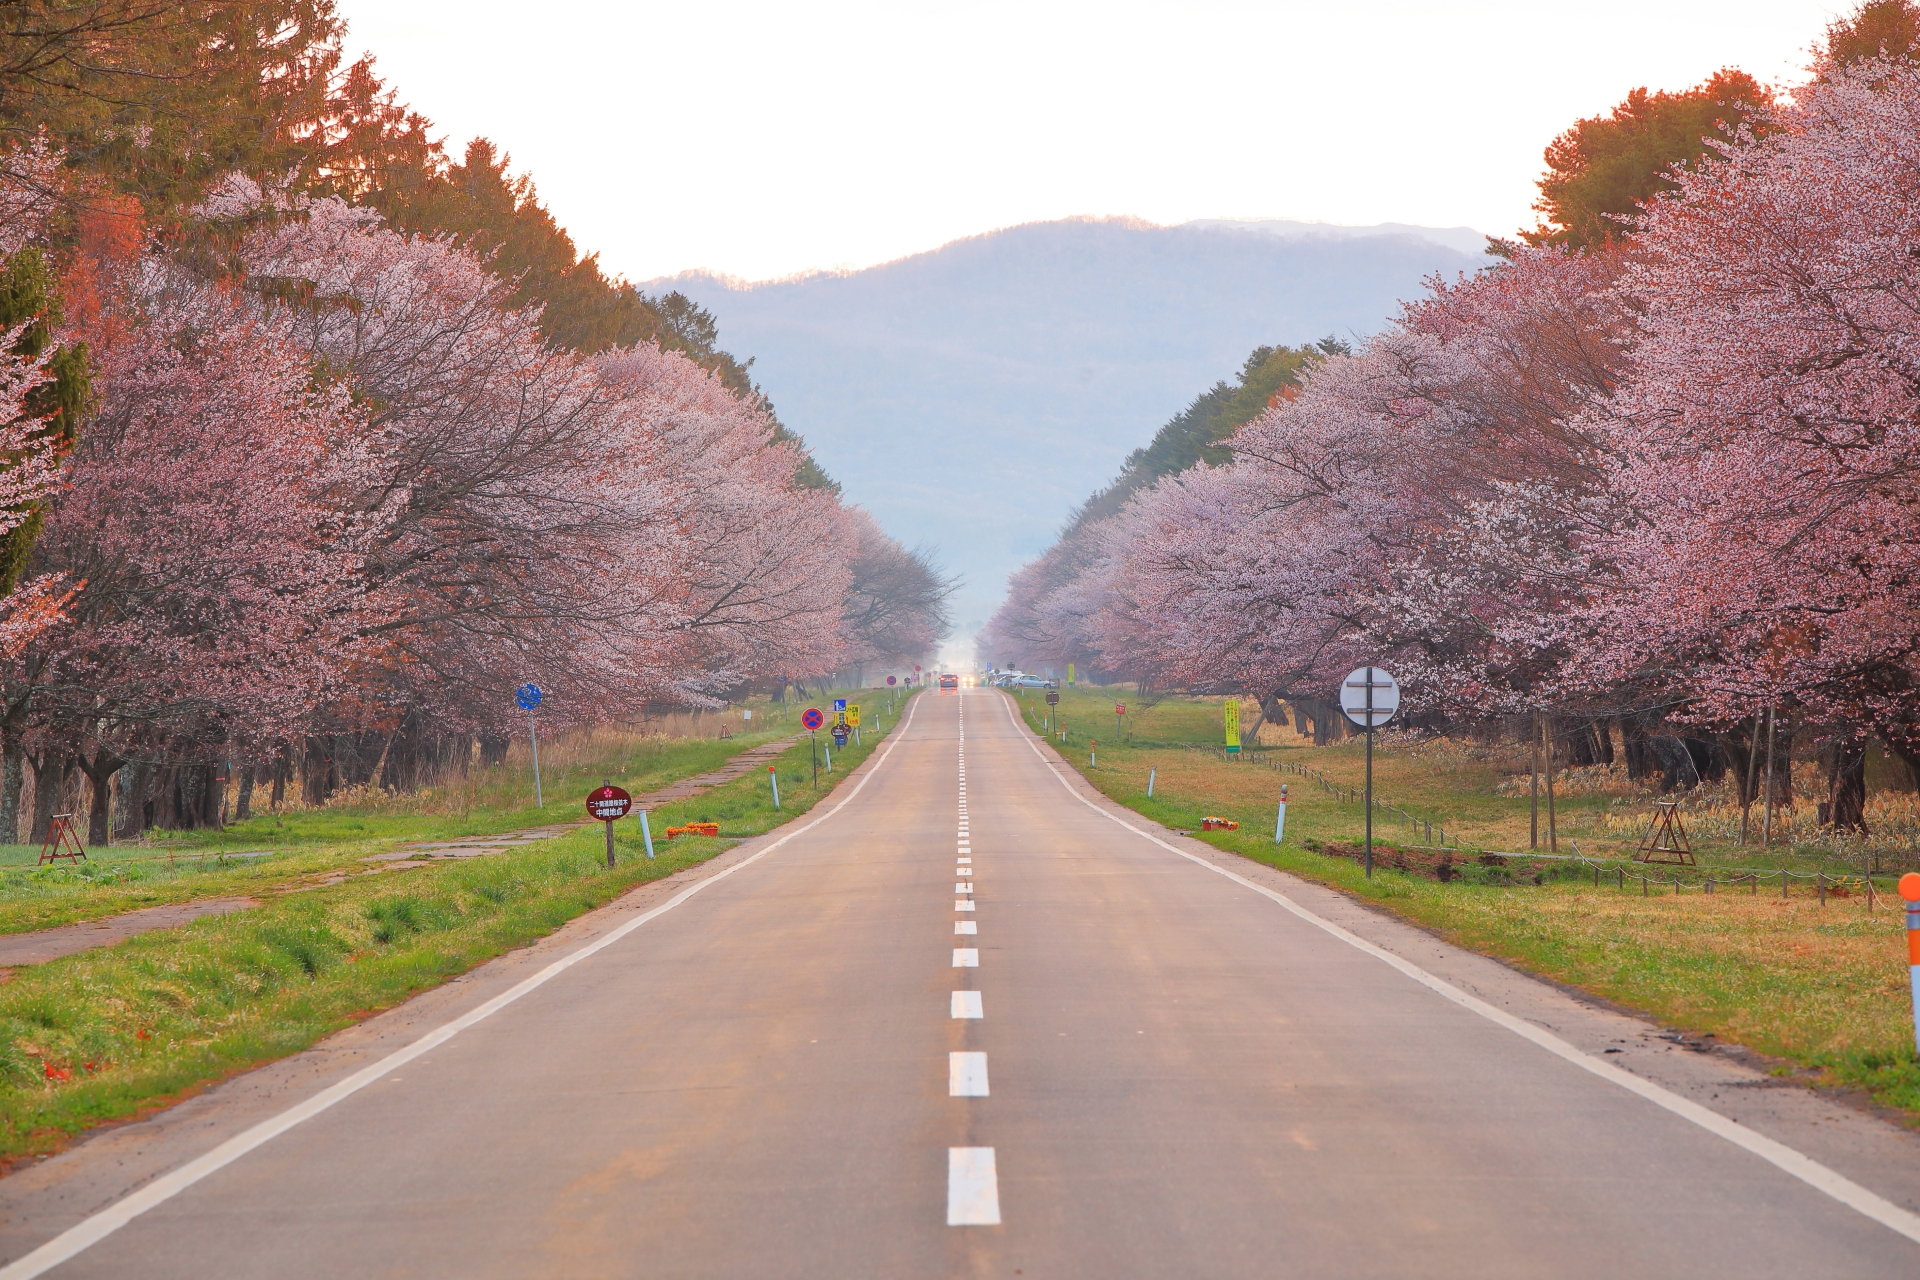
967 1024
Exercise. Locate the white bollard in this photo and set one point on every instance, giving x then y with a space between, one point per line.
1150 773
646 833
773 776
1280 820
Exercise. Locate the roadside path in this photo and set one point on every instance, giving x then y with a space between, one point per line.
42 945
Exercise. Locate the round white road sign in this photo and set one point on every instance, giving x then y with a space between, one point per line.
1369 697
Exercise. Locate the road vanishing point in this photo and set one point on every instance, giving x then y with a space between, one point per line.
969 1019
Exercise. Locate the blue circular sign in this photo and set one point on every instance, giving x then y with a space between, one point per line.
528 696
813 719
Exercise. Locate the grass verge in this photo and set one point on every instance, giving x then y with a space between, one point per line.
273 851
111 1033
1824 988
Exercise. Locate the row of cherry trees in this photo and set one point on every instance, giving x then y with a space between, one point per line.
1674 477
334 498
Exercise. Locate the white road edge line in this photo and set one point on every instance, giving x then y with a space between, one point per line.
1778 1154
973 1188
91 1230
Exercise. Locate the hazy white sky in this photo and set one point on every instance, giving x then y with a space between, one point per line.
761 139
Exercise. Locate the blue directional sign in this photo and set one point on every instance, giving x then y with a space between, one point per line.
528 696
839 704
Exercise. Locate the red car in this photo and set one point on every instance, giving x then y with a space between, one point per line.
949 682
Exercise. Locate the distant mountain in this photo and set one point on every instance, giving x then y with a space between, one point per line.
972 396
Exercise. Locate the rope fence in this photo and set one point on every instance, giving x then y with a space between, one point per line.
1347 794
1706 880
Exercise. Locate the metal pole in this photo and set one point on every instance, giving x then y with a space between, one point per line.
609 827
533 736
813 751
1369 684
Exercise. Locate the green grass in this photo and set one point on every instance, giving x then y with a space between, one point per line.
110 1033
306 844
1822 988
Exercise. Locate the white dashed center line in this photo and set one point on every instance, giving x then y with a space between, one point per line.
973 1188
963 887
966 1004
964 861
961 904
965 926
966 958
966 1075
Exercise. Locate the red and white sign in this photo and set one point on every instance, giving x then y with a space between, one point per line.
608 804
1119 708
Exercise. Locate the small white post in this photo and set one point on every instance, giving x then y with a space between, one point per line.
1280 820
828 751
1150 774
773 776
646 834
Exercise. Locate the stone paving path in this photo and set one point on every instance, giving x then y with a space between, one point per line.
70 939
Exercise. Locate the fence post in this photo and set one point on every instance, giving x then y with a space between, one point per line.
1820 882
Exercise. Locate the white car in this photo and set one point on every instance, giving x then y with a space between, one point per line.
1032 682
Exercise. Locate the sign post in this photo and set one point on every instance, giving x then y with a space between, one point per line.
528 696
1280 820
1232 717
813 720
1910 890
608 805
1069 675
1369 697
1119 717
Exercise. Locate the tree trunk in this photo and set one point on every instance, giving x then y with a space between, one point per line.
50 770
130 810
317 771
213 797
1846 761
1633 743
243 804
12 777
102 808
99 772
